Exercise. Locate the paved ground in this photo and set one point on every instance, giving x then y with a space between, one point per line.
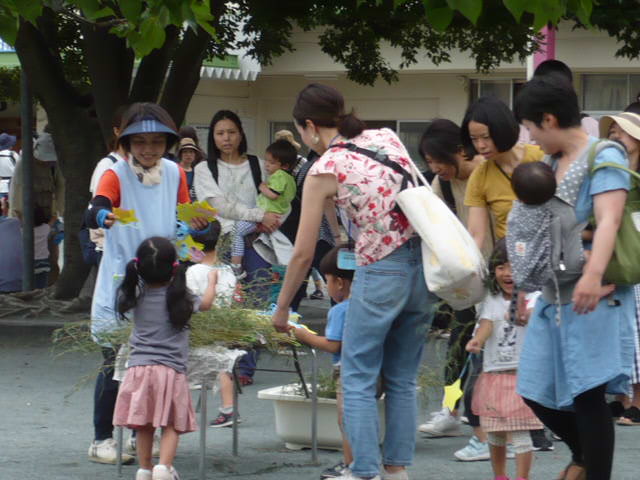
45 424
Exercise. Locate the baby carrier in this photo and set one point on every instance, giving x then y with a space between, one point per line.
544 242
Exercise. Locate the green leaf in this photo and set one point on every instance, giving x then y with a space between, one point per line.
152 36
131 9
29 9
546 11
202 13
516 7
8 28
469 8
585 7
438 14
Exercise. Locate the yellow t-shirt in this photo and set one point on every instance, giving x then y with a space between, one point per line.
489 187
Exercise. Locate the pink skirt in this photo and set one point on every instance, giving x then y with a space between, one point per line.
155 395
498 405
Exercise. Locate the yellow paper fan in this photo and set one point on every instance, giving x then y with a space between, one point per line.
189 211
186 247
452 394
125 216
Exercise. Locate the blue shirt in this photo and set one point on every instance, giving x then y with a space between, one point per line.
335 325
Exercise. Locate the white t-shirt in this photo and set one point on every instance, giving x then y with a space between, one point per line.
103 165
198 280
41 241
502 348
235 194
8 160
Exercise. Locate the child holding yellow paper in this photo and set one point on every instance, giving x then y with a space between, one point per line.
339 288
502 411
147 187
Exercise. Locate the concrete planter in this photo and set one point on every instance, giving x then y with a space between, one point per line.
293 418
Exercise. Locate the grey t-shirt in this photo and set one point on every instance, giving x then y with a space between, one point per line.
154 341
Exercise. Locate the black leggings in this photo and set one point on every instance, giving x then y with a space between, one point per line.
588 431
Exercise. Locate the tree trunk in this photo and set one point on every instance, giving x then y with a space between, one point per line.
78 141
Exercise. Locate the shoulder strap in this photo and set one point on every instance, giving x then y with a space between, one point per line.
447 193
256 172
112 158
599 146
636 175
381 158
212 163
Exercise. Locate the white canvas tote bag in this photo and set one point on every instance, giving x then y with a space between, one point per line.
454 268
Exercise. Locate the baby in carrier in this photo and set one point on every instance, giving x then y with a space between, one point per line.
529 226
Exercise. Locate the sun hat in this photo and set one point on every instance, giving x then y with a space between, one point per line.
288 136
629 122
147 125
7 141
43 148
187 144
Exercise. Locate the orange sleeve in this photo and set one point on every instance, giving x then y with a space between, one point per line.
183 189
109 187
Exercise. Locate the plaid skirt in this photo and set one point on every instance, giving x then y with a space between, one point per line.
498 405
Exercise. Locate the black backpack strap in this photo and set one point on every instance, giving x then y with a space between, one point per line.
112 158
256 171
381 158
212 163
447 193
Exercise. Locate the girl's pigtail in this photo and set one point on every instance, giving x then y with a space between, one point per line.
179 299
128 291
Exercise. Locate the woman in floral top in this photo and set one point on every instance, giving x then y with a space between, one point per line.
390 308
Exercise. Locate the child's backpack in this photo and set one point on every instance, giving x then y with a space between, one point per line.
624 266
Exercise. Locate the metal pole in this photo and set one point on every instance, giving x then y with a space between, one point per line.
119 439
203 429
26 116
314 407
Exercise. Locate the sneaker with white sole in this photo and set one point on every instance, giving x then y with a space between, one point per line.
475 451
348 475
335 471
144 474
442 424
105 451
401 475
162 472
131 446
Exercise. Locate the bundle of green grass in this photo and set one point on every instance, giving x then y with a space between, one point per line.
231 327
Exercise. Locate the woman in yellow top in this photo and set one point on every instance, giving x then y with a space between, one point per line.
492 130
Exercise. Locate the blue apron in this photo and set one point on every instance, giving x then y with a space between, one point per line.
155 208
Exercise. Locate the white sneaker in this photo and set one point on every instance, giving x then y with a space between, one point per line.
442 424
143 474
131 446
475 451
348 475
105 451
162 472
401 475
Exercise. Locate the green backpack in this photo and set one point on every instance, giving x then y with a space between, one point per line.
624 266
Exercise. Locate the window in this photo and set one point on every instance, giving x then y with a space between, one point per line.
608 93
409 132
504 89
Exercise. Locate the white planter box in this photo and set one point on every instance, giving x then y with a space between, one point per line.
293 418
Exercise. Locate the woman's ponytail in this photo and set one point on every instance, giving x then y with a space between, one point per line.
127 297
179 299
350 126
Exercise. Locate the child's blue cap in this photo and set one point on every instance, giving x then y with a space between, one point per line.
148 125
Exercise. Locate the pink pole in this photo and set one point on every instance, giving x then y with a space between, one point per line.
547 49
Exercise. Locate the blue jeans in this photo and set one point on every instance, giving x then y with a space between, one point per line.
386 326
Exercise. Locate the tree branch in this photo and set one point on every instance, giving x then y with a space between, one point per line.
110 74
153 69
184 74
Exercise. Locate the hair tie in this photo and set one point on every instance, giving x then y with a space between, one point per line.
137 260
176 264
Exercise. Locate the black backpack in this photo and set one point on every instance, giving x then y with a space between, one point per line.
254 164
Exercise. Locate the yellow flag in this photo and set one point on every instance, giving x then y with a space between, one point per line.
125 216
452 394
189 211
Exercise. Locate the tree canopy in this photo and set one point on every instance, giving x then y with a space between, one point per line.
84 58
